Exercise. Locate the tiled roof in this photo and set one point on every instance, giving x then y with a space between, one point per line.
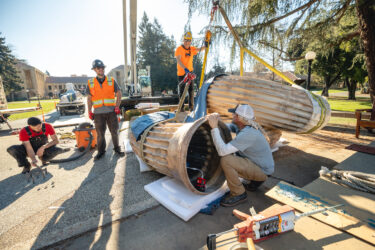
66 79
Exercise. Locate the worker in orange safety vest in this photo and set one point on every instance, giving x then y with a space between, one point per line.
104 95
184 55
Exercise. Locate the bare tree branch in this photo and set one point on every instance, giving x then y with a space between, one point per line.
307 5
342 10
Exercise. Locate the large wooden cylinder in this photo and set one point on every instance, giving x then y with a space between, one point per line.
183 151
289 108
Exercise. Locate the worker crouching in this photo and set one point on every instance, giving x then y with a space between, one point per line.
35 143
247 156
104 96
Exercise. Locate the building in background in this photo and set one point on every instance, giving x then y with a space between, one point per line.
118 74
55 85
32 82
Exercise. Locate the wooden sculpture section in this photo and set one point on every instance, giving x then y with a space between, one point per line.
184 151
284 107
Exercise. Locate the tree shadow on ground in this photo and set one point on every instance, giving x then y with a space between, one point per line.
348 130
90 203
298 167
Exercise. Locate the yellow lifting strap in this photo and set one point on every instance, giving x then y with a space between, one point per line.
243 49
207 41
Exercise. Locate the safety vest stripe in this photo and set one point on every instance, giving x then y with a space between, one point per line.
97 102
109 101
91 81
109 81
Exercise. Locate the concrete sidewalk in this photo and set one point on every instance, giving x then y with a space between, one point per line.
75 197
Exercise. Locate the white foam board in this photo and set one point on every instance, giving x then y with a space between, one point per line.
128 147
143 167
173 195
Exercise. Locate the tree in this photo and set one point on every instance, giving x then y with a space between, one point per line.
216 70
157 50
300 20
8 70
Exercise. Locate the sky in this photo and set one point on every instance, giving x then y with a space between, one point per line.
65 36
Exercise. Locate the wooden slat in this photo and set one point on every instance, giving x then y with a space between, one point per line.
165 135
155 146
305 201
270 116
286 95
282 109
261 96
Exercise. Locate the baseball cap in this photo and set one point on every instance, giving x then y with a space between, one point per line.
243 110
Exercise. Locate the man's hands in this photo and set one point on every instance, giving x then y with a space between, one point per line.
213 120
186 71
34 162
40 152
117 110
91 115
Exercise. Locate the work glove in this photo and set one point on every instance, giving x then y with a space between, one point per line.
117 110
186 71
91 115
207 43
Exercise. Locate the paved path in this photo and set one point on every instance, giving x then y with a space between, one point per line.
79 198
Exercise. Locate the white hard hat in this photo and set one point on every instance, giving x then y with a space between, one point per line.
243 110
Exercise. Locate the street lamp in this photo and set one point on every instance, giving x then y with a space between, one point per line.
27 93
310 56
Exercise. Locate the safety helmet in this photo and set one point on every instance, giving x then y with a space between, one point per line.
97 63
188 36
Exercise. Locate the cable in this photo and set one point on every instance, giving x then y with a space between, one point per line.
356 180
77 156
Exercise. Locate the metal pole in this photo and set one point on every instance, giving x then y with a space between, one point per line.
308 76
133 41
125 44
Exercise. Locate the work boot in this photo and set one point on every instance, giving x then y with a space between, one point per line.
119 152
99 155
26 169
230 201
252 186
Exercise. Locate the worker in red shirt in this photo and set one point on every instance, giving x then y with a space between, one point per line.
184 55
35 143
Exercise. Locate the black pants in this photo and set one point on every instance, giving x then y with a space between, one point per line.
181 88
19 153
101 121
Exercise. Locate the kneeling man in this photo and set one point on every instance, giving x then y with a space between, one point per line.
34 140
247 156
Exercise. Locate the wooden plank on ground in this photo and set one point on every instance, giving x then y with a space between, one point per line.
308 233
305 201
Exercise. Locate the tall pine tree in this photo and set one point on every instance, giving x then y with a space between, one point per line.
8 70
157 50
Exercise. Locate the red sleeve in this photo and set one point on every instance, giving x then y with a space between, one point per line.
49 129
23 135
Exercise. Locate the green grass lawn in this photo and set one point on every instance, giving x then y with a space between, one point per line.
319 90
343 104
343 121
47 105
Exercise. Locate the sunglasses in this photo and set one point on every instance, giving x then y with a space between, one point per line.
100 67
187 54
186 40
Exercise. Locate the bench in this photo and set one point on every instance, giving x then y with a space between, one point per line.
367 124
